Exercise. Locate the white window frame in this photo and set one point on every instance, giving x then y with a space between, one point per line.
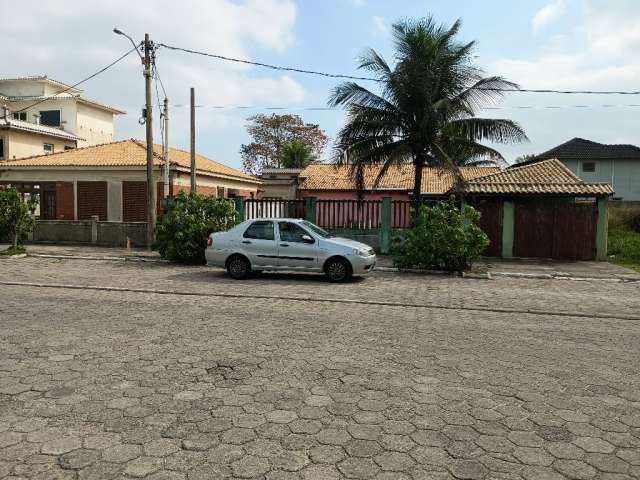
45 145
18 115
52 110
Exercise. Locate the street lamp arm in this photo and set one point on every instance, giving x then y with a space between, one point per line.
117 31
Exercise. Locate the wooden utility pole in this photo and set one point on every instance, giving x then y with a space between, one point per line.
151 191
167 175
193 140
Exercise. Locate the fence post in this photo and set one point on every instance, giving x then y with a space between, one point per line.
385 234
94 229
311 209
508 218
239 202
602 229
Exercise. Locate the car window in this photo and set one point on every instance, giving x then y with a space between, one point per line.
290 232
317 230
260 231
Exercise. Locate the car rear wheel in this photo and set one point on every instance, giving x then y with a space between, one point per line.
238 267
338 270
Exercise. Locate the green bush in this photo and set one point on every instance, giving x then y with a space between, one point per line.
181 235
16 216
444 237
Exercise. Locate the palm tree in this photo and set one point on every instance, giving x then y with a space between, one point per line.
296 155
425 111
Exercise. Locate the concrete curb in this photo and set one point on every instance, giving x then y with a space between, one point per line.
100 258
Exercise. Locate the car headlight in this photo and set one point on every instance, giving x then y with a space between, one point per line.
362 253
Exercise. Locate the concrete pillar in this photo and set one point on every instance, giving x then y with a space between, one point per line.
508 223
311 209
239 201
94 229
602 229
385 233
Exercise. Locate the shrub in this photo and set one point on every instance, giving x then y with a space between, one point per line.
182 233
16 216
444 237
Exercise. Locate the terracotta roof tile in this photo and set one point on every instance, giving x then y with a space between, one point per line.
547 177
125 153
398 177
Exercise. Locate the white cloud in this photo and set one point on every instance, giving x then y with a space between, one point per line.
598 52
69 43
548 14
379 26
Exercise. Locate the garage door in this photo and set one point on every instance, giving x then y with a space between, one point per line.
562 230
491 223
92 200
134 201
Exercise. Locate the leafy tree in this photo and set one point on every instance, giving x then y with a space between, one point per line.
296 155
444 237
424 111
270 133
183 231
525 158
16 216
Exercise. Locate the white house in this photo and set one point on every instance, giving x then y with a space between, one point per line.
40 115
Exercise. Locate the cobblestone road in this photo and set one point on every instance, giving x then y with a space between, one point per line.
99 385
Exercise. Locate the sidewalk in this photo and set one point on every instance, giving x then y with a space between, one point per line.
521 268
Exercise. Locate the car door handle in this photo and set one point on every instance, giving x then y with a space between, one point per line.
246 241
284 244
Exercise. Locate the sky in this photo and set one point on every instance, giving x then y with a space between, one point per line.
548 44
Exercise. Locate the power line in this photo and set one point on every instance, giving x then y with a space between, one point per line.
81 81
293 107
370 79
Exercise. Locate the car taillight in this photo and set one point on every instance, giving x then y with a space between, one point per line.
209 241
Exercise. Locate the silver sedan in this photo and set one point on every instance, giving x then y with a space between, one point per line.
285 244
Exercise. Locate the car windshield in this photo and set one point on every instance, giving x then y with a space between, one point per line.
316 229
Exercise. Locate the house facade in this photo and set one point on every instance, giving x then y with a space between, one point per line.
42 116
109 180
279 183
617 165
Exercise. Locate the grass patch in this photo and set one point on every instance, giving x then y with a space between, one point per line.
624 239
19 250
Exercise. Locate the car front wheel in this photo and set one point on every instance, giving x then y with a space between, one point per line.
238 267
338 270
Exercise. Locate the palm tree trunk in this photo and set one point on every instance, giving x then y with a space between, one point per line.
418 163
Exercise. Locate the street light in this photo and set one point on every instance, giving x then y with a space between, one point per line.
147 61
117 31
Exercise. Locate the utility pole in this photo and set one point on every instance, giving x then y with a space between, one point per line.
193 140
151 191
167 165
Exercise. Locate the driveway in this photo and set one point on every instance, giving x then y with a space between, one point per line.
132 370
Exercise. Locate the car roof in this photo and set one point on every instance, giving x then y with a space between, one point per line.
279 219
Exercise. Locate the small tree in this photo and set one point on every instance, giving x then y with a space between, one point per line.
444 237
182 234
296 155
16 216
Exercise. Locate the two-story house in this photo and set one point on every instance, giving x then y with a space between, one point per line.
617 165
39 115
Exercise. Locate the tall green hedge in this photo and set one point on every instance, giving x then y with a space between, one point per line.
444 237
181 234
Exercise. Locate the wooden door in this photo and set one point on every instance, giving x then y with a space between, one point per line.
491 223
48 207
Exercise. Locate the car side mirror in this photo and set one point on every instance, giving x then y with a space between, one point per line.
307 239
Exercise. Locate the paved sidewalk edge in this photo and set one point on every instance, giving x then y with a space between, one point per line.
478 276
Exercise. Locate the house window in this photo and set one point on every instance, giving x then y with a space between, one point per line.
589 167
50 118
220 192
67 147
48 148
1 147
22 116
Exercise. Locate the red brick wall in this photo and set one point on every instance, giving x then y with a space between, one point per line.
64 201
